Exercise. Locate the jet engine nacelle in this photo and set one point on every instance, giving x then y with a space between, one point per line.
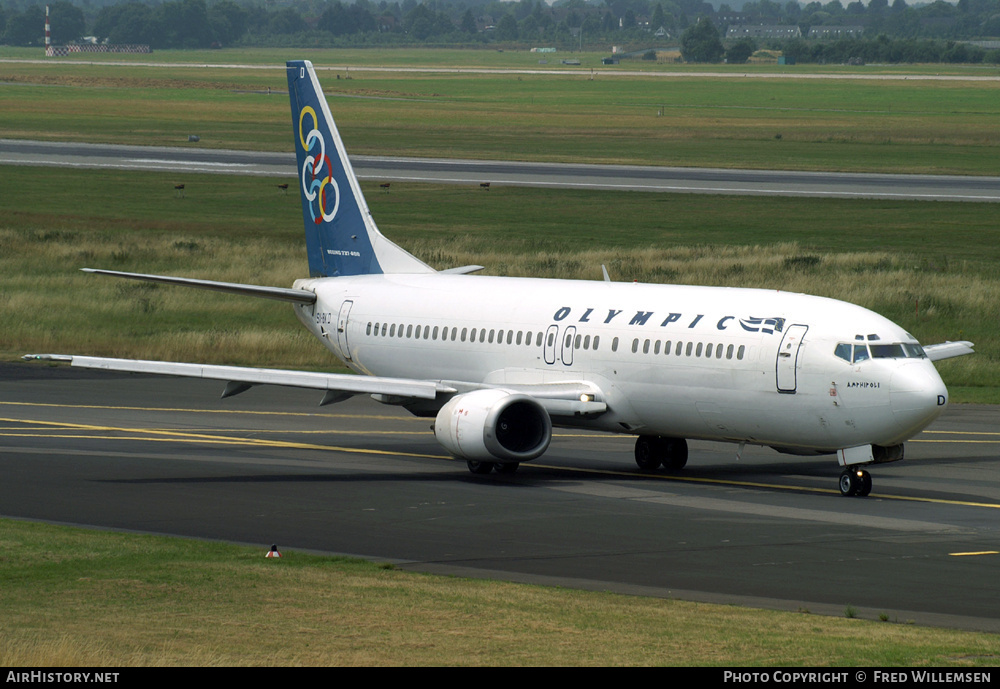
493 425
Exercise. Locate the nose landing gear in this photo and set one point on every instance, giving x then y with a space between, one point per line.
855 482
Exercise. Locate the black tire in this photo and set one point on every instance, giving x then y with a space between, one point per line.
848 484
675 453
479 467
647 453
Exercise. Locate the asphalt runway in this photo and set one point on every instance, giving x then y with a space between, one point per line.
194 159
167 456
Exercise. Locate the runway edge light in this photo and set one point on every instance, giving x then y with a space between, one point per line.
273 552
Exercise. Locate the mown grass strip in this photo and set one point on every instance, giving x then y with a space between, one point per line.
73 597
815 124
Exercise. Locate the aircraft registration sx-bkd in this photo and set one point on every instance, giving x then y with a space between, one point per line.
499 361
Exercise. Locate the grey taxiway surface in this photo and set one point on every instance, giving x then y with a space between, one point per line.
164 455
194 159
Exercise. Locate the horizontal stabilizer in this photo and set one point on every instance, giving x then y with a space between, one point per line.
280 293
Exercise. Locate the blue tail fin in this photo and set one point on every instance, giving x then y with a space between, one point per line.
341 236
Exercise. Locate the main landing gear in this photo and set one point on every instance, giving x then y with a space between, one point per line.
855 482
652 452
486 467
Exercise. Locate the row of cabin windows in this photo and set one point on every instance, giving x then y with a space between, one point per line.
427 332
513 337
519 337
689 349
578 341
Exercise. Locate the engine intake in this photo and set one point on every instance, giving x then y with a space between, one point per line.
492 425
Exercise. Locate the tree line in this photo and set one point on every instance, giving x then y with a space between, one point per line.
895 32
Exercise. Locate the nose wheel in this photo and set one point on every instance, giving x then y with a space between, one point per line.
855 482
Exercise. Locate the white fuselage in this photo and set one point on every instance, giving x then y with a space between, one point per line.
730 364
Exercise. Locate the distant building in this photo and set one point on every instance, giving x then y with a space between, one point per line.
733 18
829 32
64 50
764 31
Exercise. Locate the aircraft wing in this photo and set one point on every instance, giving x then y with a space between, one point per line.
559 399
947 350
564 399
239 379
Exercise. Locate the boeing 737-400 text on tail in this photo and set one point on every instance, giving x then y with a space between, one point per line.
499 361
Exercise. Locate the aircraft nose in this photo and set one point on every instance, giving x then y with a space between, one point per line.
917 396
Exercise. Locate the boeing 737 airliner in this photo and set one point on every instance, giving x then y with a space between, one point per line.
499 361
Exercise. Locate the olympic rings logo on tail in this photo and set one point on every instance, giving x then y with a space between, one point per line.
318 184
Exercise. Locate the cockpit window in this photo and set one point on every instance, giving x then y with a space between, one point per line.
888 351
853 353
